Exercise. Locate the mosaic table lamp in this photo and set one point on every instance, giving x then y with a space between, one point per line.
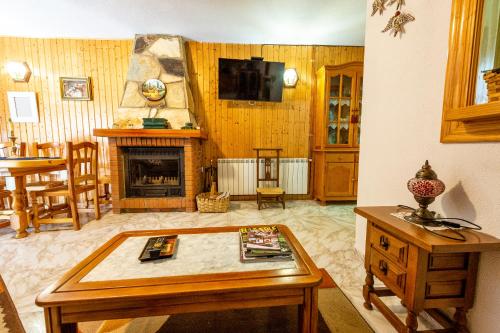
425 187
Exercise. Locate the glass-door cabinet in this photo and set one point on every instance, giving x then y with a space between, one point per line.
343 106
337 130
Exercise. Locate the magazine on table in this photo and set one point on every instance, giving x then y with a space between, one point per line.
264 243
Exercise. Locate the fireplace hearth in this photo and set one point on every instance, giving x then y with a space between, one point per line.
153 172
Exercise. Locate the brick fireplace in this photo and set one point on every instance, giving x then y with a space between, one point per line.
169 168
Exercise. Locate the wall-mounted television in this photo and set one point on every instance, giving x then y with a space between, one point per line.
251 80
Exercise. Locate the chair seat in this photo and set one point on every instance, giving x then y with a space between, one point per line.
270 190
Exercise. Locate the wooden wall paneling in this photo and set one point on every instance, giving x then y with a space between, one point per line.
234 127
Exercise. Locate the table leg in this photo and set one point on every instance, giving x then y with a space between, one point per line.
411 322
367 289
308 311
461 320
53 322
20 220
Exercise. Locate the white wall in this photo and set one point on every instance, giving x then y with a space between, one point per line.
331 22
403 86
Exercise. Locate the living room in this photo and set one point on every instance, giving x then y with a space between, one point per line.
199 119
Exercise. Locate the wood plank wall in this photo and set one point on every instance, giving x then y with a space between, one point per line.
234 127
105 61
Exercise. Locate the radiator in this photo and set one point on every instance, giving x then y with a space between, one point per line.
238 175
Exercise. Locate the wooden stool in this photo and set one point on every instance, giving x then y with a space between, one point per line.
272 193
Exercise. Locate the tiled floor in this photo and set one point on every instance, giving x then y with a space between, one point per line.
326 232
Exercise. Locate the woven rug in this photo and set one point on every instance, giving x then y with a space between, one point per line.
9 319
336 315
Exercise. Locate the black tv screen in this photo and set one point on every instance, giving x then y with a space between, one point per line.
251 80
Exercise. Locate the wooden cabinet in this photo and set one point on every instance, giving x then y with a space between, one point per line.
427 272
337 129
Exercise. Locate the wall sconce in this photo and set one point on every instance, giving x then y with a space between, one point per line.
18 71
290 77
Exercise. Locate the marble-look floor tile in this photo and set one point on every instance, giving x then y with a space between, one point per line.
326 232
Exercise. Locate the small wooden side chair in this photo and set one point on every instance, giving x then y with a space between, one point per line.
5 195
6 149
269 193
82 177
5 208
44 181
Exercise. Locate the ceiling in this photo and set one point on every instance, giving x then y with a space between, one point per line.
322 22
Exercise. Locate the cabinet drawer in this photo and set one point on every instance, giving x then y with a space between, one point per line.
391 246
390 273
446 261
340 157
445 289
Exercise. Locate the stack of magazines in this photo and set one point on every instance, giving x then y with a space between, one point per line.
264 243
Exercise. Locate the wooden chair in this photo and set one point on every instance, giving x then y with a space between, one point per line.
82 162
5 208
44 181
273 193
6 150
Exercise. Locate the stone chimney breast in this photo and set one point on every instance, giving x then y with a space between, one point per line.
161 57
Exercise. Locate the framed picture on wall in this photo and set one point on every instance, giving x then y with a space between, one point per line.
22 106
75 88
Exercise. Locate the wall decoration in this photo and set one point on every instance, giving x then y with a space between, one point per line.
397 22
22 106
153 90
399 2
75 89
378 6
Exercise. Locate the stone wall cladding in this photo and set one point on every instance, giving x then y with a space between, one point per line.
161 57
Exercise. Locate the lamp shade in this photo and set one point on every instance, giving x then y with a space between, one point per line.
290 77
18 71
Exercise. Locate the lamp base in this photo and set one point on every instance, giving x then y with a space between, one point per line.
422 216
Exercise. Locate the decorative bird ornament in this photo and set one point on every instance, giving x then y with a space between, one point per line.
397 22
378 5
399 2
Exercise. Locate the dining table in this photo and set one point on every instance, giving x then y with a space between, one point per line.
19 168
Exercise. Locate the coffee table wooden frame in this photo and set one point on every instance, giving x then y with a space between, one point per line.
69 301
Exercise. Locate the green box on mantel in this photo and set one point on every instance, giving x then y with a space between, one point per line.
157 123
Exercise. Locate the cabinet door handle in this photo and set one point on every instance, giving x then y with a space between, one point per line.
384 242
382 266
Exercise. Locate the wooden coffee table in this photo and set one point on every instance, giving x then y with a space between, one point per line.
205 275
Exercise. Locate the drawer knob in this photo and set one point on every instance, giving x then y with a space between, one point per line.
384 242
382 266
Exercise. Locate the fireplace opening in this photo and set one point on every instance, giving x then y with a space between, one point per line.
154 171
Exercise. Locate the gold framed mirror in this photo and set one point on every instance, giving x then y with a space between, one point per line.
471 112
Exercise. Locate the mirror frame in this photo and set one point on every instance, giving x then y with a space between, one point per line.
464 121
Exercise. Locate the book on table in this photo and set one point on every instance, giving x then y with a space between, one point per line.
263 243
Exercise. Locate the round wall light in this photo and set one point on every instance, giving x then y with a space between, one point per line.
290 77
18 71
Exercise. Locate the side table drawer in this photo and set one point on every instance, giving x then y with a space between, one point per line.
388 272
389 245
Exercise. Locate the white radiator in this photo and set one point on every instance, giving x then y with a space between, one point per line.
238 175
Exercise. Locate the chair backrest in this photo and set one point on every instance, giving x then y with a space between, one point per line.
82 163
268 154
49 149
6 149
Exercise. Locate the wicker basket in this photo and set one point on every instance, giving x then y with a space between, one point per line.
212 205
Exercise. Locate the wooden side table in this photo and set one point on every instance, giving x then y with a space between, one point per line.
425 271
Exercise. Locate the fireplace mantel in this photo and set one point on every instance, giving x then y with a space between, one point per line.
150 133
